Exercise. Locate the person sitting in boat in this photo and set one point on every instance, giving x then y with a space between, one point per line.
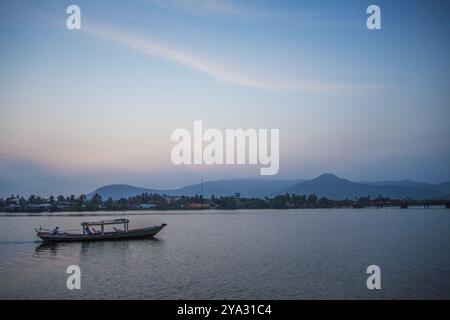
55 231
87 230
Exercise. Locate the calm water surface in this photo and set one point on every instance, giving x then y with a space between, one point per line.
266 254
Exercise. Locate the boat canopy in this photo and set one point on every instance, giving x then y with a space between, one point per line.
104 222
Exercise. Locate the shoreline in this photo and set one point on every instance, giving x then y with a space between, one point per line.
186 211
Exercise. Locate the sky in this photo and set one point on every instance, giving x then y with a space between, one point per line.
95 106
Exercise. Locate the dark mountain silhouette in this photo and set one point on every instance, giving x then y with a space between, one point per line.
246 187
333 187
400 183
117 191
443 187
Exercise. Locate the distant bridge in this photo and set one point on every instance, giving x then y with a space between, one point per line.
403 203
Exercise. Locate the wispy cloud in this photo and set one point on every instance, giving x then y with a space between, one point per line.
219 72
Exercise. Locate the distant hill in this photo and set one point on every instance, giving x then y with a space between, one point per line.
333 187
117 191
400 183
442 187
246 187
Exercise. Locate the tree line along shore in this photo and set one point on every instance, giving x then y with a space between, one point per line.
150 201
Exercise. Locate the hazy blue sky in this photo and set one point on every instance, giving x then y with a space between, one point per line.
79 109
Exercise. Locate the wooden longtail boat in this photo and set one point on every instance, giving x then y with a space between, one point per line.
101 235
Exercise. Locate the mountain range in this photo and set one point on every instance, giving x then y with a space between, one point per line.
327 185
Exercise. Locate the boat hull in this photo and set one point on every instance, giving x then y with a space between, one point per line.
107 236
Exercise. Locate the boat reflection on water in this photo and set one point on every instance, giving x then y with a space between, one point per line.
47 246
54 247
